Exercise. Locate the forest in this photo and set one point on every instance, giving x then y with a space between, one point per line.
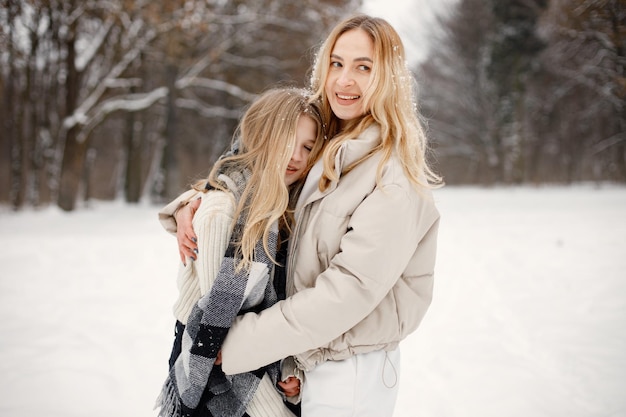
528 92
133 99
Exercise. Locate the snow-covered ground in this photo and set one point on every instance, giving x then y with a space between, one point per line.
529 315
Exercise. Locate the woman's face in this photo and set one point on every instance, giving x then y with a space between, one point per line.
306 134
351 62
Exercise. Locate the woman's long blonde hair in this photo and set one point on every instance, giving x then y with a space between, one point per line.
390 100
267 137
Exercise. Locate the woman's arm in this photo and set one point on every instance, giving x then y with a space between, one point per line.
387 225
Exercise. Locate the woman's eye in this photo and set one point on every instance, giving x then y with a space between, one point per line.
335 64
363 68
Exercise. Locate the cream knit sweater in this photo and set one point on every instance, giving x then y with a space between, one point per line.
212 224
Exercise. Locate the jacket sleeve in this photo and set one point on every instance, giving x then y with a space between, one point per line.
166 214
383 234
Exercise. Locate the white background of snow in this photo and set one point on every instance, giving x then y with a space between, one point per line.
529 315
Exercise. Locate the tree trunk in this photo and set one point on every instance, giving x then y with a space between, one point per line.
132 183
71 170
169 161
7 138
74 151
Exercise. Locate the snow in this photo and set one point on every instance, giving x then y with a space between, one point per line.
91 101
135 102
87 47
528 319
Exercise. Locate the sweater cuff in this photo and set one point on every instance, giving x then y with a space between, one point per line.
289 368
267 401
166 214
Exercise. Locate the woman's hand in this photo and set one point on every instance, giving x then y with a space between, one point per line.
187 240
290 386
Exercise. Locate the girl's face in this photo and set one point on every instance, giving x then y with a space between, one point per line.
351 62
306 134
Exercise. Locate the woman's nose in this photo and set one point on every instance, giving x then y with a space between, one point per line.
345 78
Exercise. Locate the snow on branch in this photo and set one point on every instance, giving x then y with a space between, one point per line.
206 111
86 56
604 90
258 18
124 82
607 143
219 85
132 102
80 113
296 26
129 102
257 61
202 64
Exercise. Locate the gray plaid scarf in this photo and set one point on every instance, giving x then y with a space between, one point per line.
207 326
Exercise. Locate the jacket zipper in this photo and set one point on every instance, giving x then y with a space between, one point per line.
302 219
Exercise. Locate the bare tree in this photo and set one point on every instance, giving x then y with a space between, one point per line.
135 96
529 91
112 38
458 98
586 97
245 47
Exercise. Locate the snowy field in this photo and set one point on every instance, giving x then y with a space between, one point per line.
529 316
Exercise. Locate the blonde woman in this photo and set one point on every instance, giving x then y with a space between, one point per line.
362 255
243 214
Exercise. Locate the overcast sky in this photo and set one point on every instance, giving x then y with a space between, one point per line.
413 19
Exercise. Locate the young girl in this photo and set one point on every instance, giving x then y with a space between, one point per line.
243 214
362 255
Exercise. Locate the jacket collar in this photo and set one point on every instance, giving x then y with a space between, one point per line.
355 149
350 152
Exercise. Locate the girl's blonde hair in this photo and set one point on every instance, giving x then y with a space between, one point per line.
390 100
267 138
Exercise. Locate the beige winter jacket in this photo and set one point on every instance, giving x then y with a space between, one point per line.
360 266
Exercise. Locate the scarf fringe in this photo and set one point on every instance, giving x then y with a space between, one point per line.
168 401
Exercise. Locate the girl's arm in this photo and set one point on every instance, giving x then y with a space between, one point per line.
177 218
212 223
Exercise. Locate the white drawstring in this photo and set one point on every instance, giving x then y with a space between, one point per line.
395 372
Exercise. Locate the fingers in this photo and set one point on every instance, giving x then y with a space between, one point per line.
187 241
193 206
187 247
291 393
291 386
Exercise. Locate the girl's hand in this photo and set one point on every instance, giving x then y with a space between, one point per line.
291 386
186 237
